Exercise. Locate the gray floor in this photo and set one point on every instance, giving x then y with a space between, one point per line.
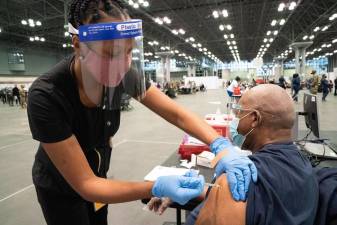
143 141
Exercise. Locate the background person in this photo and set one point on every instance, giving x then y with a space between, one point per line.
296 86
325 87
314 84
235 84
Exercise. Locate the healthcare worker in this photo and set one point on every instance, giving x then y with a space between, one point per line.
74 110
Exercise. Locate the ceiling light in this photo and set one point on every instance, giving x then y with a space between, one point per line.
267 45
271 40
32 25
175 32
36 38
30 21
192 39
305 37
215 14
265 40
334 41
325 28
64 45
292 6
276 32
31 39
228 43
182 31
232 35
136 5
155 43
316 29
234 42
42 39
194 45
222 27
335 51
38 23
312 37
334 16
24 22
146 4
225 36
329 45
66 34
282 22
229 27
281 7
167 20
199 45
273 23
268 33
150 43
225 13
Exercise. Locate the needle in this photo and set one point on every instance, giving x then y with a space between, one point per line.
212 185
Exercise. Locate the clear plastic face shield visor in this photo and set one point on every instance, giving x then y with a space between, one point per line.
112 62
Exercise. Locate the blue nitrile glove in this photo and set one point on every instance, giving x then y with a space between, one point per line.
179 189
240 169
219 144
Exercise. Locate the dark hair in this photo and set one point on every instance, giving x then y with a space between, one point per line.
90 11
295 75
238 79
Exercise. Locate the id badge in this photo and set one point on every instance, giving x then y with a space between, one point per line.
98 206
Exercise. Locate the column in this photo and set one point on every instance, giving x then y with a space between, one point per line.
164 74
300 58
191 69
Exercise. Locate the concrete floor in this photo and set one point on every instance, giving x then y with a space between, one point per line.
143 141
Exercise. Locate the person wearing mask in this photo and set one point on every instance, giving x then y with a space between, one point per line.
264 119
235 84
282 82
296 86
330 86
325 87
74 110
16 94
314 83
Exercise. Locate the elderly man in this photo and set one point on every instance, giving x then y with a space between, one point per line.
287 190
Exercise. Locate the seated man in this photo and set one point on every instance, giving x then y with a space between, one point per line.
287 189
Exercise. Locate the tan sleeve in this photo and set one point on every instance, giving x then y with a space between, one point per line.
220 208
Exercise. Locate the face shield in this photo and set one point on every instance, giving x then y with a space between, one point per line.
112 62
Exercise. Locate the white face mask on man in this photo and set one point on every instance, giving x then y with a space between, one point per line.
237 138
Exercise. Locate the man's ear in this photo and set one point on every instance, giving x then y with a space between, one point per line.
257 119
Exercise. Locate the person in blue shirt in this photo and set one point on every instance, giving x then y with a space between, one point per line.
296 86
286 192
325 87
